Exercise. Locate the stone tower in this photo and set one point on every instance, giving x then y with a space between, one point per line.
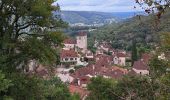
82 40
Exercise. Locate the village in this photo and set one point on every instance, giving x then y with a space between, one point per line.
78 64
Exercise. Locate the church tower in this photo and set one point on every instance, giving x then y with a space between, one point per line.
82 40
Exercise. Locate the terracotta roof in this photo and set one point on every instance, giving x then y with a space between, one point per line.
140 65
75 89
121 69
132 72
68 53
116 74
121 55
69 41
82 33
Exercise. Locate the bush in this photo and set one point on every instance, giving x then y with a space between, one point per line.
71 71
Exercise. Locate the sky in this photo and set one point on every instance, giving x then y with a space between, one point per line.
99 5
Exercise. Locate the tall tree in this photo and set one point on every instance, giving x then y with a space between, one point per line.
28 31
134 52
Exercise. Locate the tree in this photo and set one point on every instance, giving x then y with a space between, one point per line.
28 31
127 88
134 52
158 6
102 89
56 90
5 84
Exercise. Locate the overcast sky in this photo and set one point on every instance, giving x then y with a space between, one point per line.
98 5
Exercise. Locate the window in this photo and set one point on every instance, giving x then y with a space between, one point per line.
71 59
75 58
66 59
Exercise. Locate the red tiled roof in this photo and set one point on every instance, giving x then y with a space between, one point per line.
69 41
140 65
121 69
68 53
82 33
75 89
121 55
132 73
116 74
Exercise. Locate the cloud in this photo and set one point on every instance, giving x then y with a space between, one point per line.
98 5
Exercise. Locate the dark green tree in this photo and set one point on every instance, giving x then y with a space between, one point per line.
134 52
102 89
28 31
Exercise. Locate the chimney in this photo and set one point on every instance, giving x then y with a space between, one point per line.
78 82
93 67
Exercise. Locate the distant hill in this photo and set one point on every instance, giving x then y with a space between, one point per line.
141 28
93 18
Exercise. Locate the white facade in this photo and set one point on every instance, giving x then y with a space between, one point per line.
69 59
142 72
121 61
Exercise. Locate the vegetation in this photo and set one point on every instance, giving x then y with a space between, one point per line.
134 52
29 31
144 29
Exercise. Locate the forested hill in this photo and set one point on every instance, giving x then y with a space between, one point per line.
91 17
142 28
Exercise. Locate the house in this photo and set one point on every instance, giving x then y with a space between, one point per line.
119 59
69 44
140 67
102 67
68 57
71 58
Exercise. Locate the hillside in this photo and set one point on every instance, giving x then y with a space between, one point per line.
94 18
142 28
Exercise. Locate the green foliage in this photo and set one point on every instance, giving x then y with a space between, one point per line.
71 71
5 84
75 97
158 67
29 31
102 89
154 6
165 41
129 87
143 28
134 52
22 87
56 90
